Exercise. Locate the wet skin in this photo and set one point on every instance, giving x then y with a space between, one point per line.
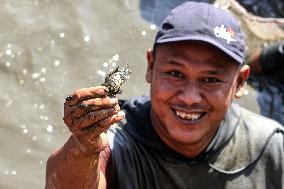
192 86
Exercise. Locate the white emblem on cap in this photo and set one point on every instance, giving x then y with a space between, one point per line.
225 33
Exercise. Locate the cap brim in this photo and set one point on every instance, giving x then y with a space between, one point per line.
230 53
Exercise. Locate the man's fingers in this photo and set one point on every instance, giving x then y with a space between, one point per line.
92 117
86 93
104 124
93 105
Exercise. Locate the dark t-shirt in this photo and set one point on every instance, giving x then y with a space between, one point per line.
246 152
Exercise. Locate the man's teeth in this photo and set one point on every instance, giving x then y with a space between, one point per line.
189 116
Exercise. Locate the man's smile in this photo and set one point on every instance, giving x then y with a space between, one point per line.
190 116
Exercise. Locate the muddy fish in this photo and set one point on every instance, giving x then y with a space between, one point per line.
115 78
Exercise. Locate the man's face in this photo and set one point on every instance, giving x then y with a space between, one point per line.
192 86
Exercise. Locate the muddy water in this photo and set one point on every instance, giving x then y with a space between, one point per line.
48 48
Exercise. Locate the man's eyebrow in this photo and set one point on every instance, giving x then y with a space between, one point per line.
213 72
172 61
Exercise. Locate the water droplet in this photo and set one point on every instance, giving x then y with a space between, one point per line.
42 79
43 70
34 138
115 57
22 82
6 172
28 151
39 49
23 126
62 35
14 172
56 63
153 26
8 52
143 33
86 38
9 45
41 106
36 75
105 64
35 105
49 128
113 64
25 71
8 64
25 131
101 73
40 162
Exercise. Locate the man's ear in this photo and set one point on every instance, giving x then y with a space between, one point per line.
242 78
150 60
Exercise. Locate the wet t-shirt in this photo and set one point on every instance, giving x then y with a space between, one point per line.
246 152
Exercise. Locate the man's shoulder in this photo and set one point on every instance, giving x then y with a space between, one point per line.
259 123
255 138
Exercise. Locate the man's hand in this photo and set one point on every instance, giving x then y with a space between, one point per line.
88 113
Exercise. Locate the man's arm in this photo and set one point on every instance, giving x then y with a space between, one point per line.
70 167
87 114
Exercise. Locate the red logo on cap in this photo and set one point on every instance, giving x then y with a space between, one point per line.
231 31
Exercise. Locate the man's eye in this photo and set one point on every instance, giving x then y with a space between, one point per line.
175 74
211 80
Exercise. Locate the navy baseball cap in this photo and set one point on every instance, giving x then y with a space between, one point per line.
203 22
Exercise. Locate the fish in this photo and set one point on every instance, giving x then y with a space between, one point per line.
115 78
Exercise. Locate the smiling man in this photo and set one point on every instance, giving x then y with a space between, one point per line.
188 133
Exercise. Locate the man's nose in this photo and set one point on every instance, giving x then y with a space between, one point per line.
191 94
